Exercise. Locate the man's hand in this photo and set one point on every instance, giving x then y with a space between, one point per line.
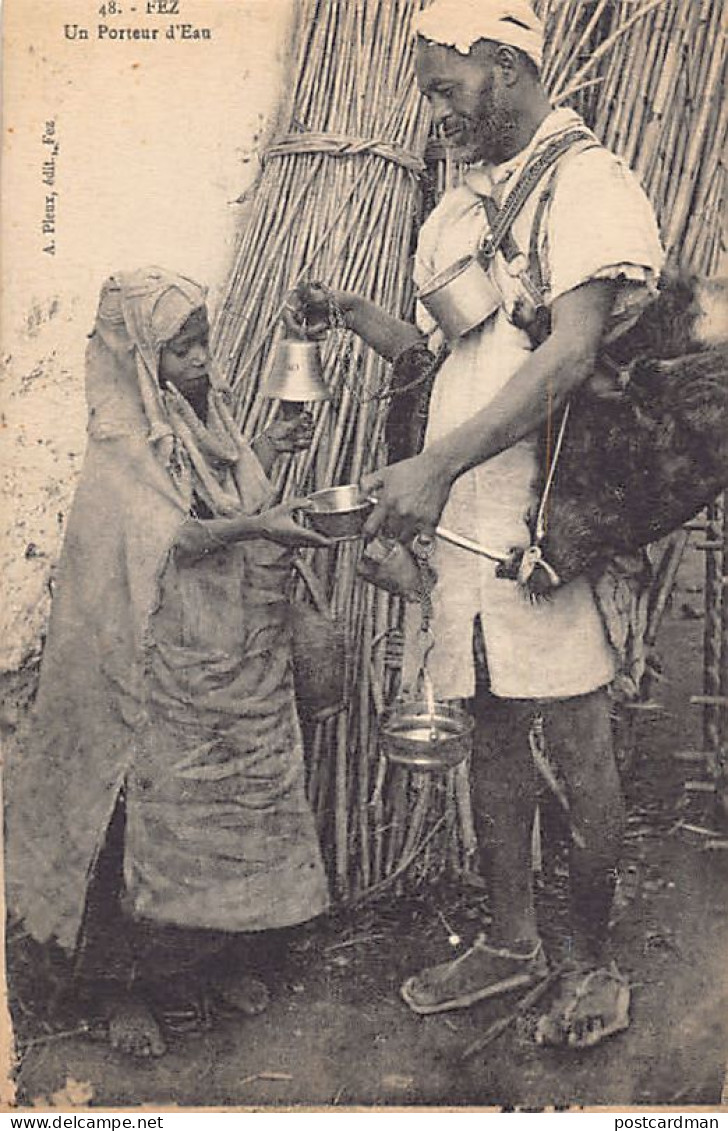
411 496
278 525
306 315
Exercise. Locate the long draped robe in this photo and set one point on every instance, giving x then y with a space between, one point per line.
169 680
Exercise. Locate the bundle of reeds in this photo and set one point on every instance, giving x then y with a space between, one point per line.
338 200
652 77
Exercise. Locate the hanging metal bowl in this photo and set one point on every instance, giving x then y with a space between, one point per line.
425 735
460 298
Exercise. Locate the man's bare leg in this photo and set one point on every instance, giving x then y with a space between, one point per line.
133 1029
579 737
504 801
594 997
503 791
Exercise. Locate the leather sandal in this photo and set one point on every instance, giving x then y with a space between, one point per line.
572 1024
480 972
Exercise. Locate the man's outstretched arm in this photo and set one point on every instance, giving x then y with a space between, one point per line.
413 493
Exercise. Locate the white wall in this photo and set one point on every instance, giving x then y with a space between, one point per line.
156 141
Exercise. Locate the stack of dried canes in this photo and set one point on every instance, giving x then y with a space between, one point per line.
652 80
338 200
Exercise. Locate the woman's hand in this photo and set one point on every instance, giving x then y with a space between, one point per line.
290 433
278 525
285 434
307 314
411 496
198 537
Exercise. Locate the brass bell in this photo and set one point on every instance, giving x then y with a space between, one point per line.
296 374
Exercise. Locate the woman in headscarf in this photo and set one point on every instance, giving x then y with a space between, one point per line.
156 805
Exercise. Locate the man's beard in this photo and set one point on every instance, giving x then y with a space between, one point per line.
493 133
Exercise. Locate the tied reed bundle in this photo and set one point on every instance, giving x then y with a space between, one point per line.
659 73
338 199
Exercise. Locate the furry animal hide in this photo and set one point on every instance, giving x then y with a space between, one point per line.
646 443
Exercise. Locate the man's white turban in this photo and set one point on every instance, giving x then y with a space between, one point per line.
461 23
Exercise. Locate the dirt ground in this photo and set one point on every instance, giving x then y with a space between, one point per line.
337 1032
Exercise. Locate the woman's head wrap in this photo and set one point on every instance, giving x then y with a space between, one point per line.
139 312
461 23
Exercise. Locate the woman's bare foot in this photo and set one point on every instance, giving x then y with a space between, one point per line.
242 993
132 1029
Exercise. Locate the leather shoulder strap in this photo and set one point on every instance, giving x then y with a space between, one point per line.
501 220
535 269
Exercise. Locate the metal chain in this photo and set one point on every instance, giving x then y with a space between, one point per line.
344 359
712 632
386 391
423 548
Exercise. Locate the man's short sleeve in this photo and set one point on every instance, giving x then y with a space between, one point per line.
600 225
423 270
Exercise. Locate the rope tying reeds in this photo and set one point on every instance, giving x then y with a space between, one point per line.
335 145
